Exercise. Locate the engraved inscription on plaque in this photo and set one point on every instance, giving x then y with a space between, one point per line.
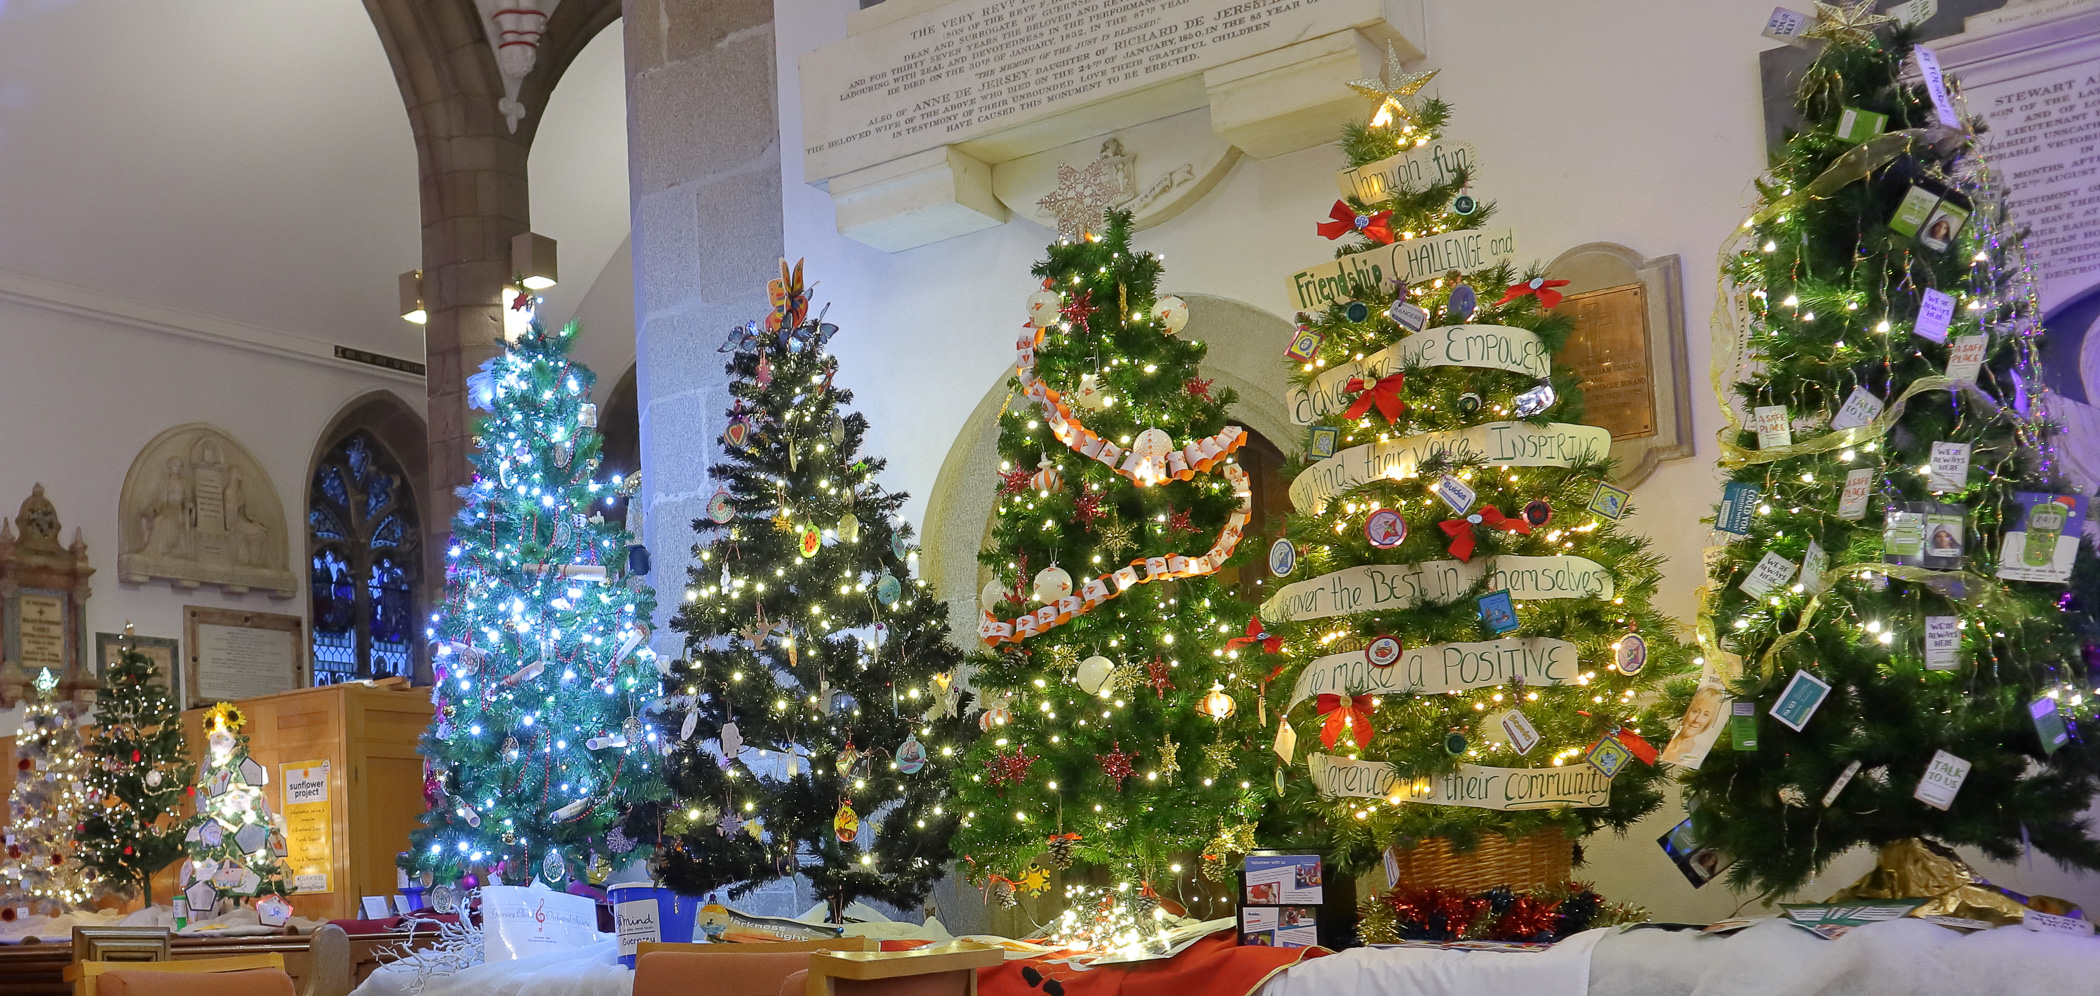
2043 135
1610 350
43 633
238 655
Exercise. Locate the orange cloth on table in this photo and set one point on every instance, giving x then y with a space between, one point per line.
728 973
256 982
1213 966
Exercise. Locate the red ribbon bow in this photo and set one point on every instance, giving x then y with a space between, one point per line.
1637 746
1255 634
1378 226
1538 287
1352 713
1461 530
1385 394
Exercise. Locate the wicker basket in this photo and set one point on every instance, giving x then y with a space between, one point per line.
1535 862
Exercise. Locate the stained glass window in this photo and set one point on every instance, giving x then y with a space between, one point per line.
362 520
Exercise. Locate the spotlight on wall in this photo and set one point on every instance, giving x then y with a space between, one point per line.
532 259
412 298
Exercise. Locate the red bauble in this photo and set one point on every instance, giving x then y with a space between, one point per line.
23 764
7 913
127 850
58 859
14 850
134 757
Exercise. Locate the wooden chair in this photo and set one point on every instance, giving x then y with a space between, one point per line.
950 970
664 968
233 975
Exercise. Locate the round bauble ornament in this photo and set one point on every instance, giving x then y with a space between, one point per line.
1051 584
1217 704
1385 529
888 589
1093 674
996 716
1172 313
1090 394
1537 512
812 541
1151 448
554 869
849 528
1383 651
993 595
1043 306
153 779
1630 654
1462 304
1283 558
1046 477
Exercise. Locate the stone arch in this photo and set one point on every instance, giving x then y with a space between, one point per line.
1246 354
197 508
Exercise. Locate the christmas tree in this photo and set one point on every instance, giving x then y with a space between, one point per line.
133 825
1118 734
43 870
1461 637
1886 610
822 719
236 848
540 747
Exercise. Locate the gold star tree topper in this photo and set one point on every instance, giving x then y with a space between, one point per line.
1837 22
1081 198
1393 90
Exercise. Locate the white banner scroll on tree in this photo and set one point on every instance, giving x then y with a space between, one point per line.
1419 168
1472 785
1499 444
1487 347
1442 667
1408 260
1377 587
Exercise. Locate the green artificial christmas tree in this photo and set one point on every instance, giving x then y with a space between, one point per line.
136 777
540 747
43 870
1117 734
1461 639
236 848
1886 608
822 719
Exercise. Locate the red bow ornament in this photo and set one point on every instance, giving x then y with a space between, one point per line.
1385 394
1377 226
1352 714
1270 643
1636 745
1461 530
1538 287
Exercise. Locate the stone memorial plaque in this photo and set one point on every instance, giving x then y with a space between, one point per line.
43 633
1610 350
239 655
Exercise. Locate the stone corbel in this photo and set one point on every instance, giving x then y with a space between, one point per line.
1297 96
920 199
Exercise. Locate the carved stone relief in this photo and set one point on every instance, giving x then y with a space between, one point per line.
198 509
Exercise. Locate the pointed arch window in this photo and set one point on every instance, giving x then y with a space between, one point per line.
366 564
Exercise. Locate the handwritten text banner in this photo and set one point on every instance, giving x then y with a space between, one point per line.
1472 785
1488 347
1500 444
1377 587
1408 261
1443 667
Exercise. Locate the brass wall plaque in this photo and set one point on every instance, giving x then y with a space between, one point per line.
1610 349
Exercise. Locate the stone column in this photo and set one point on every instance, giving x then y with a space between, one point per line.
704 174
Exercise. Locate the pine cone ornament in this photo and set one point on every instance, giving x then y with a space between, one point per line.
1061 845
1003 893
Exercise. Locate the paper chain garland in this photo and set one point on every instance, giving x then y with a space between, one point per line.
1144 466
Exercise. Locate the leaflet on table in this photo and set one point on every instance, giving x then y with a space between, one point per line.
1283 878
1279 926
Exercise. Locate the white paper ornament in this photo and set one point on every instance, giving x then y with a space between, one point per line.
1172 312
1093 674
1051 584
732 740
1042 308
992 595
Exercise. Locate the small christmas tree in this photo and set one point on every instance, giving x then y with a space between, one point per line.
42 871
1461 635
132 826
1119 734
236 849
1888 599
540 748
822 720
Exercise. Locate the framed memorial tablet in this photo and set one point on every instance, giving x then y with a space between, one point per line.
233 654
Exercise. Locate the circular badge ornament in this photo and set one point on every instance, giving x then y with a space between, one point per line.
1630 654
1283 558
888 589
1357 311
719 508
1455 743
1462 303
1385 529
1538 513
812 541
911 756
898 548
1468 404
1464 204
1383 651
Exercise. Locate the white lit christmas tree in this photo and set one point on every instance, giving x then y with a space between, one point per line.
237 847
540 748
41 872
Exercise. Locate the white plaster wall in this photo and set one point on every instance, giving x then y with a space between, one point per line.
80 396
1616 120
